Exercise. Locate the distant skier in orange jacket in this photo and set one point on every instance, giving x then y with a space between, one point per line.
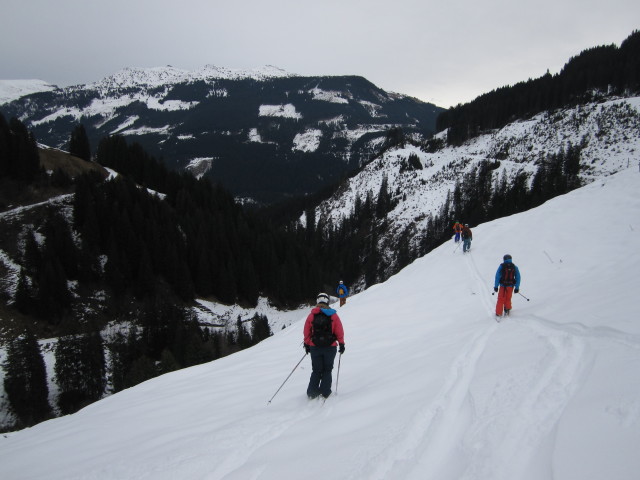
457 228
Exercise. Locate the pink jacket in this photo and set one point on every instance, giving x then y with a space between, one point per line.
336 325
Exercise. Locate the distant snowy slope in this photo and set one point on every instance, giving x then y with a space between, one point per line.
608 133
13 89
430 386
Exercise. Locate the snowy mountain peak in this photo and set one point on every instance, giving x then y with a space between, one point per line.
260 73
11 90
134 77
158 76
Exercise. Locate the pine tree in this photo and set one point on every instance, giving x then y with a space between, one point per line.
260 328
248 283
145 285
25 380
5 147
112 270
383 204
79 143
168 362
25 159
59 243
53 297
123 350
32 261
243 338
142 369
23 297
80 371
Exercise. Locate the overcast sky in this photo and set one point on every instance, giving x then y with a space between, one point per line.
445 52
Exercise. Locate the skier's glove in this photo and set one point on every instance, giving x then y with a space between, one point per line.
341 349
516 290
307 348
495 289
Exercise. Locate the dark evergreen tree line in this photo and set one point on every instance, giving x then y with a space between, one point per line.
606 69
351 247
19 158
80 371
79 143
42 288
165 339
25 381
168 338
198 239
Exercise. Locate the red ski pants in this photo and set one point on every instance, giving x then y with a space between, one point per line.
504 299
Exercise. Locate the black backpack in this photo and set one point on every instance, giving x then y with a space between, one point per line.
508 277
321 332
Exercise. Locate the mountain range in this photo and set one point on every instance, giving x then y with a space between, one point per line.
263 134
188 243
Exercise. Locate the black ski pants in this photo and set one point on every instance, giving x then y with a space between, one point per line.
322 359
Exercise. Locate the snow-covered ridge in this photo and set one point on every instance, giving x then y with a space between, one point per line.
160 76
11 90
609 133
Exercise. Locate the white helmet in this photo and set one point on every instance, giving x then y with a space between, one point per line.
323 298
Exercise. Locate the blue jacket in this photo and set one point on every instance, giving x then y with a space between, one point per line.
344 288
499 275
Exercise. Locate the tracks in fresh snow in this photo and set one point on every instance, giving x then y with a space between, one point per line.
255 432
430 434
521 413
470 433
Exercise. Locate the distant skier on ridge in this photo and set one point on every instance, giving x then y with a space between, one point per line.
508 278
457 228
467 236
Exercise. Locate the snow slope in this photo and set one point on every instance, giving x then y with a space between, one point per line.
608 131
11 90
430 385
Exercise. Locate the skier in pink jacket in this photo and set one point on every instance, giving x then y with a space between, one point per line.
323 332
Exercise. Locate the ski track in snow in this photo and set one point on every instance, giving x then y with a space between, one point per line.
418 448
597 334
254 433
517 436
445 429
429 429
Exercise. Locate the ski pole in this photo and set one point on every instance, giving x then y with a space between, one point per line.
338 376
457 247
285 380
523 296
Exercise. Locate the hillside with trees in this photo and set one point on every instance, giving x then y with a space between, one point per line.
598 71
106 251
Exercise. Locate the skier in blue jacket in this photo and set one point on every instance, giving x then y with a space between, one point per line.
508 279
343 292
